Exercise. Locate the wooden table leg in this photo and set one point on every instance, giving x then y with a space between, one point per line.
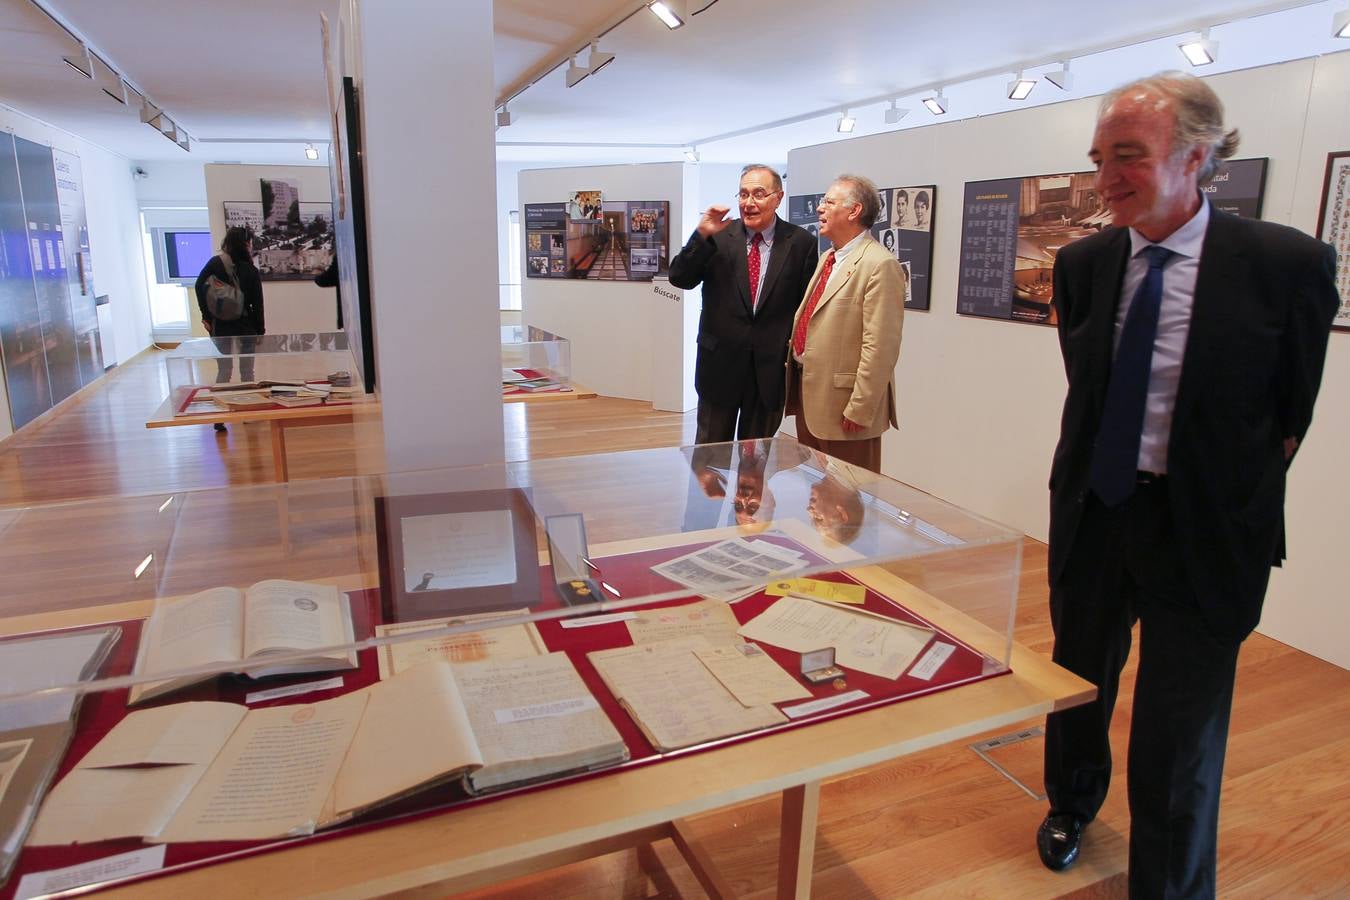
279 450
797 840
700 862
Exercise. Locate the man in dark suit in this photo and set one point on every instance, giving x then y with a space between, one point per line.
754 272
1193 341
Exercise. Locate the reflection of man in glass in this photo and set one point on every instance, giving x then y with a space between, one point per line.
921 210
901 211
742 463
835 509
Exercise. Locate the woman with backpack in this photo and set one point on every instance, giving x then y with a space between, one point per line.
230 297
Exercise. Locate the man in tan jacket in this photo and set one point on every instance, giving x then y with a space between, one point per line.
846 335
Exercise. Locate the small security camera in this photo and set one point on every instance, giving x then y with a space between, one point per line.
139 173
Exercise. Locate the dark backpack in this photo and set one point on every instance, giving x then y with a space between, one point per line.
225 299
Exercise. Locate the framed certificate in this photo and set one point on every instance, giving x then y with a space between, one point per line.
1333 226
452 553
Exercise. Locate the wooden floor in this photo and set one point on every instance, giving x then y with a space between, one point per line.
941 823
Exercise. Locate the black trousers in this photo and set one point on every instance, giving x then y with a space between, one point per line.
743 421
1125 568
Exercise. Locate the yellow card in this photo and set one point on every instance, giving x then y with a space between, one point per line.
814 589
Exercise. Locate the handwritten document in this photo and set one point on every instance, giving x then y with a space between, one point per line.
673 697
458 550
862 641
711 619
751 675
493 642
275 771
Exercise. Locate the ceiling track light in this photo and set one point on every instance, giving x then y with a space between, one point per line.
1200 51
120 94
575 73
504 117
691 154
84 63
598 58
672 13
936 104
311 152
1340 24
1020 88
846 123
1061 78
895 114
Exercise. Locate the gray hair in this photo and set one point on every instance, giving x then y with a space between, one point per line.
1198 111
863 192
777 179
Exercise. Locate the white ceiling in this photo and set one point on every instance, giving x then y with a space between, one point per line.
245 78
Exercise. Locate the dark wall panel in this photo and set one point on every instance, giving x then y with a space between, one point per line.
37 180
21 342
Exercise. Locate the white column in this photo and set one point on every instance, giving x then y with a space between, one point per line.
426 93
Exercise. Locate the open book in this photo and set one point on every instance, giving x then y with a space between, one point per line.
226 625
220 772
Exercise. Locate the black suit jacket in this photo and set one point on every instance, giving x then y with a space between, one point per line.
735 344
1265 297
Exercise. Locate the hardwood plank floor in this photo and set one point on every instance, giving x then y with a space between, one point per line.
939 823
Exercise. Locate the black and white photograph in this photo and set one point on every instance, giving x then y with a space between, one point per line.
883 214
298 249
538 265
645 259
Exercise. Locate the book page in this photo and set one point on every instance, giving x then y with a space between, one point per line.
414 731
192 631
499 642
178 733
533 716
43 661
91 805
272 777
711 619
294 615
751 675
863 641
458 550
673 697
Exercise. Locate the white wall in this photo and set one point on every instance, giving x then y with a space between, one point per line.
290 306
979 399
628 340
114 244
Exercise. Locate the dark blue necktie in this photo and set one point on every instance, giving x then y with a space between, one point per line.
1115 458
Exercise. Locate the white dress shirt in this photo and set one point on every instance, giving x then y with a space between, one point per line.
1174 324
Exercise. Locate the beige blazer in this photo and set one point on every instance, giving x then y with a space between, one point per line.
852 345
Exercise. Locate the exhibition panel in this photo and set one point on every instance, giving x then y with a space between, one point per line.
534 622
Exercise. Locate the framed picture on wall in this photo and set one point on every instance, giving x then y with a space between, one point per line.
1333 226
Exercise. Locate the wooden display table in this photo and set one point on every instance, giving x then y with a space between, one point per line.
278 419
478 845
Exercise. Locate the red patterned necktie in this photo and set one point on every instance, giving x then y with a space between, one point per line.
754 269
799 336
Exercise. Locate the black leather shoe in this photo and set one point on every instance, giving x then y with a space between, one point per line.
1059 839
220 426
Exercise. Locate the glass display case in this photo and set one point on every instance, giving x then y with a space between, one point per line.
534 361
310 357
417 641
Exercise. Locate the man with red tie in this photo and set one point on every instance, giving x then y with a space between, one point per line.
846 336
754 272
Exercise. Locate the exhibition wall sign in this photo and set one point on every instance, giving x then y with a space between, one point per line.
602 240
904 227
1012 229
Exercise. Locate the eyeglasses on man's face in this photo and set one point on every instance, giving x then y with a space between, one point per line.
759 195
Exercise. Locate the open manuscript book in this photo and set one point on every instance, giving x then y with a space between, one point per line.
221 772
